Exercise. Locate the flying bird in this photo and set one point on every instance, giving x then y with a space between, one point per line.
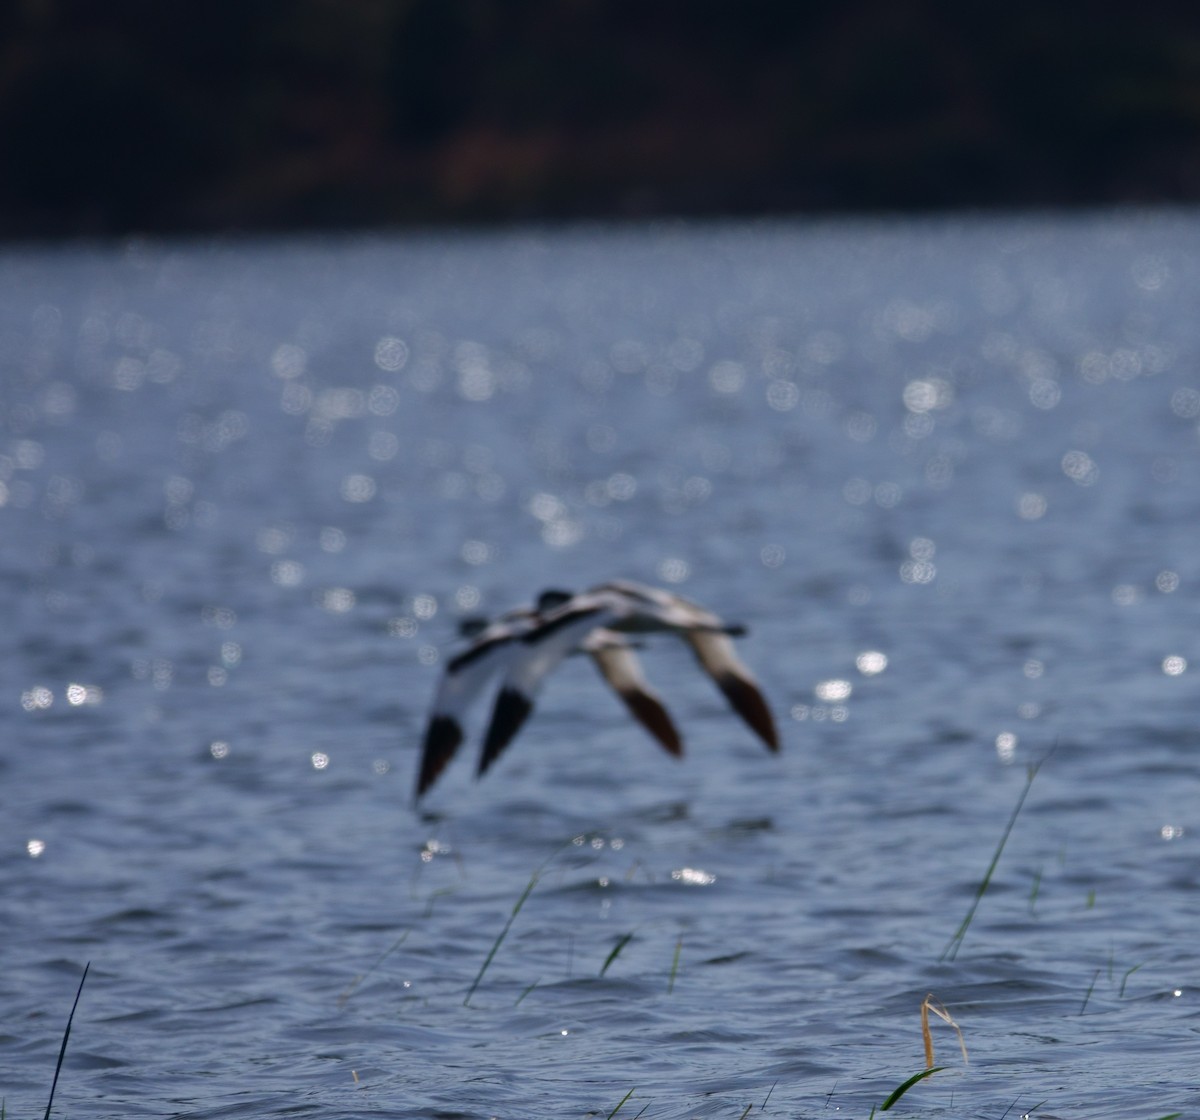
527 644
493 644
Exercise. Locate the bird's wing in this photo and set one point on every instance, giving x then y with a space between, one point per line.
619 666
655 608
716 655
535 655
463 679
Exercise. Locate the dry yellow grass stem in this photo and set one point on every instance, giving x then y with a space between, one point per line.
928 1004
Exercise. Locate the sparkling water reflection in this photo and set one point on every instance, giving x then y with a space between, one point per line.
945 471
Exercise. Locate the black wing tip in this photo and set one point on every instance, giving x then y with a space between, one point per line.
442 738
748 702
511 711
655 719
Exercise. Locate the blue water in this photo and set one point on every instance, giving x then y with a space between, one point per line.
946 471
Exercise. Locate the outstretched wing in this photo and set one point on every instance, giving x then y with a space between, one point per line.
717 658
619 666
535 656
464 678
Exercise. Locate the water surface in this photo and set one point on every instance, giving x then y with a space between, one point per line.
948 474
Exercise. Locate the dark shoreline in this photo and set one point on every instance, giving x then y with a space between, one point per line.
123 118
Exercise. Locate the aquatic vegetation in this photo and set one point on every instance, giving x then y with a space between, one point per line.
350 988
1125 978
62 1050
621 1104
622 941
674 966
512 917
904 1087
955 942
1088 994
928 1004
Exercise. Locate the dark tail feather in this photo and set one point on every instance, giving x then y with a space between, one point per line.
441 741
748 702
655 719
511 711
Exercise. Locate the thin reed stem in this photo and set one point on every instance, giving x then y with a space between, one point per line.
955 943
674 966
1088 994
620 1105
622 941
533 881
62 1050
502 935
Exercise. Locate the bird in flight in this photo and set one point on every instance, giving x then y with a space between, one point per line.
525 645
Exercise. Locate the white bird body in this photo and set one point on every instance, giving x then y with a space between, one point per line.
526 645
496 645
620 607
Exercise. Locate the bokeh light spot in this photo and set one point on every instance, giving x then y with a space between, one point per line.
1186 403
782 396
833 690
1080 468
773 555
1031 507
37 699
871 662
693 877
1167 581
289 361
403 627
358 488
336 600
476 552
1174 665
382 446
391 353
927 394
674 570
1006 746
287 573
332 540
727 377
1126 595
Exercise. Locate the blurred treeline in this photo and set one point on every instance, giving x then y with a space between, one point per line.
148 115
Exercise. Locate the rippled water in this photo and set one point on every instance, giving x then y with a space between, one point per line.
948 473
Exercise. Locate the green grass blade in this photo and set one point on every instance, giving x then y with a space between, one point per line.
502 935
1120 994
900 1090
62 1050
348 991
620 1105
674 966
526 992
955 943
1088 994
622 941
